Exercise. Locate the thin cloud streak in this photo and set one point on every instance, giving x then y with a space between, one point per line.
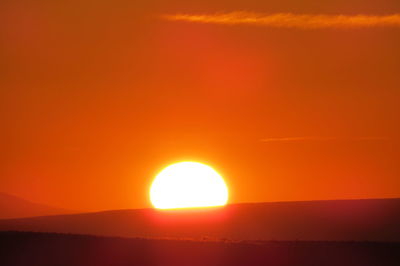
290 20
300 139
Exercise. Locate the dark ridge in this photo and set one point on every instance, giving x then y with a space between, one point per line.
45 249
342 220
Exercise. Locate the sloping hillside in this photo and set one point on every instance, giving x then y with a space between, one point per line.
14 207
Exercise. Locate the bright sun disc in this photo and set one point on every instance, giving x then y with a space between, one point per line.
188 185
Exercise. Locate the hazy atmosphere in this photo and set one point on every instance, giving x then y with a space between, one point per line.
98 97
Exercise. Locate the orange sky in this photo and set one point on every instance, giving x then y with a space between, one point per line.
97 97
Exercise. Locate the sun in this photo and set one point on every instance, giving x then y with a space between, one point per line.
188 185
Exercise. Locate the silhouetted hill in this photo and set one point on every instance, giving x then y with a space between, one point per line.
373 220
14 207
38 249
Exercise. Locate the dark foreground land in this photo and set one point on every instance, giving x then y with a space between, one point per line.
45 249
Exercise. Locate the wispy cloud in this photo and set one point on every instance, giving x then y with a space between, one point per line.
300 139
290 20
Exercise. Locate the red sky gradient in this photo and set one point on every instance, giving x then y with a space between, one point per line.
96 97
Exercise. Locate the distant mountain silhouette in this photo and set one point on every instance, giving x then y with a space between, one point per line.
14 207
40 249
347 220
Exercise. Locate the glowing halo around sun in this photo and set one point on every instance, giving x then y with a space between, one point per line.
188 185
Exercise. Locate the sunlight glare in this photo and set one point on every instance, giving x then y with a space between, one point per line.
188 185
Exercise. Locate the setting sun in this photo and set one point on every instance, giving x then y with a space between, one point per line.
188 185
